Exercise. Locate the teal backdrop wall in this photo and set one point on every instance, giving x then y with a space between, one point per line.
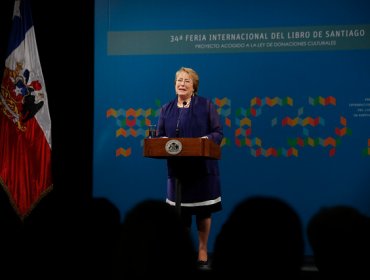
291 80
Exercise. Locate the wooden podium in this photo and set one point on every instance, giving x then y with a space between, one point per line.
182 147
163 148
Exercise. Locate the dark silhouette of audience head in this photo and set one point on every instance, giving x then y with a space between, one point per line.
263 236
69 239
154 242
49 232
10 239
340 240
102 220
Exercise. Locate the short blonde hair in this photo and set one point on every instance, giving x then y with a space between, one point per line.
194 76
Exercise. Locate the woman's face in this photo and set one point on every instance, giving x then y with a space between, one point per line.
184 85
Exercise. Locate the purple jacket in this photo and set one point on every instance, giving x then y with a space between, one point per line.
200 119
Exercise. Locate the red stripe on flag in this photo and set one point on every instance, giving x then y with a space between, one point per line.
25 166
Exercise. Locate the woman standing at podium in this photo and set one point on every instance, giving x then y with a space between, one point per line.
189 115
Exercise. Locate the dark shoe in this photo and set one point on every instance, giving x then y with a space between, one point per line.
202 263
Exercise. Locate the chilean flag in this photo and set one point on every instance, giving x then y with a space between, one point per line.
25 124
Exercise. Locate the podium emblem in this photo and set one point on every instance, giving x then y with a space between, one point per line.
173 147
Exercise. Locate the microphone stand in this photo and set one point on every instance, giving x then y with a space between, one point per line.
178 120
177 180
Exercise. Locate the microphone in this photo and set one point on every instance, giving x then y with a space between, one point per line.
178 120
